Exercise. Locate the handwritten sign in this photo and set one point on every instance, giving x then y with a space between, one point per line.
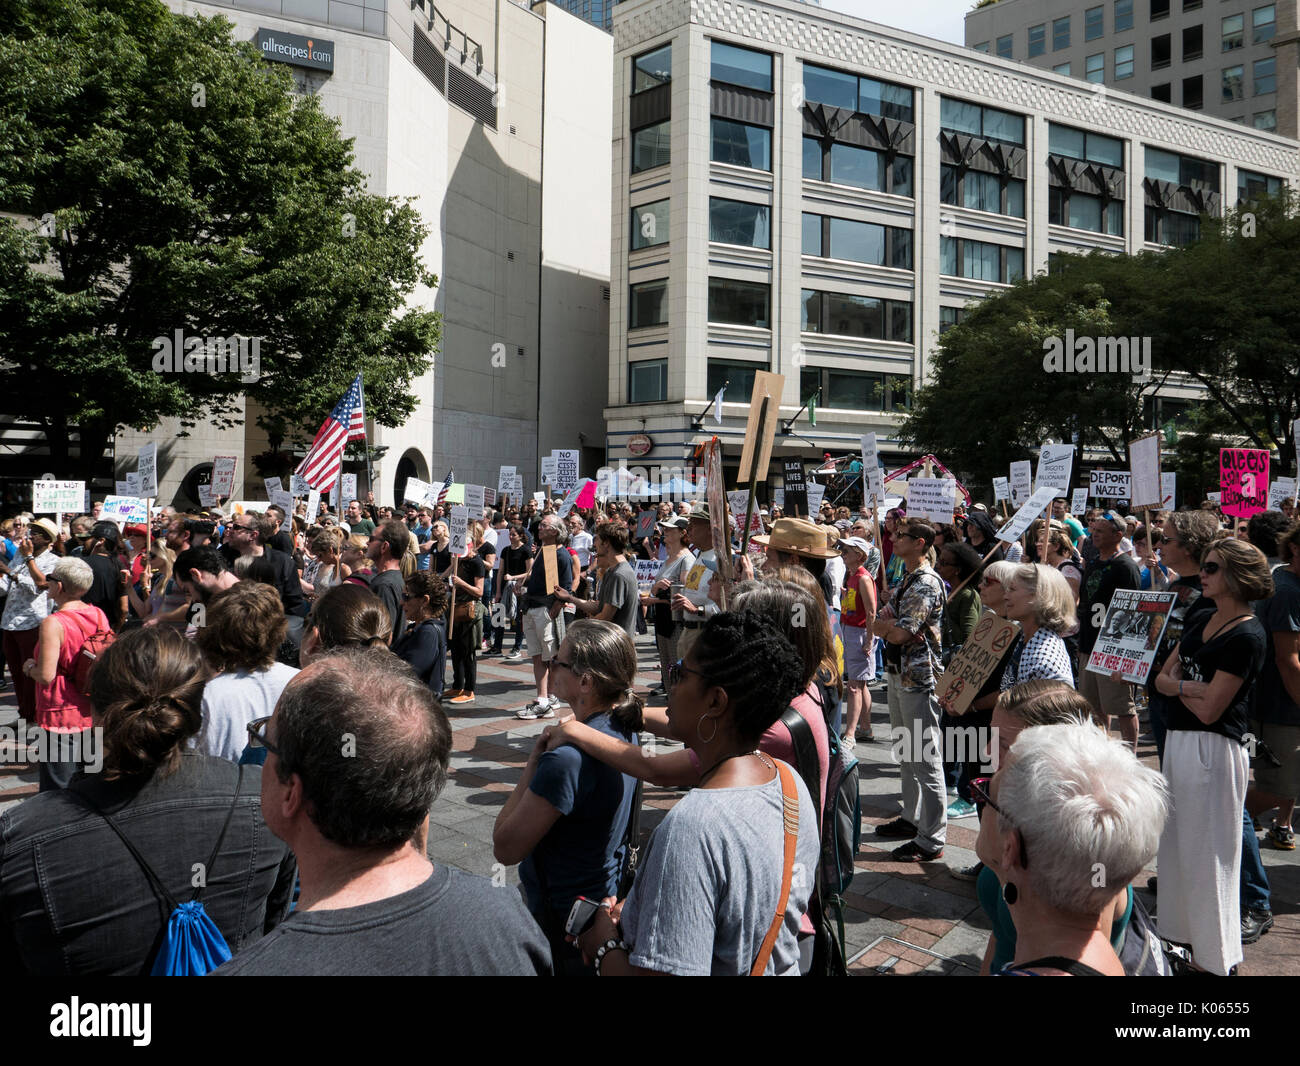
504 477
223 475
1130 635
1001 489
58 497
148 469
1110 484
298 485
1243 481
272 486
816 493
416 491
875 485
1020 482
207 498
283 499
548 469
124 510
971 667
1169 488
458 529
1079 502
474 500
349 489
1284 488
1024 517
931 499
645 573
313 505
645 525
489 496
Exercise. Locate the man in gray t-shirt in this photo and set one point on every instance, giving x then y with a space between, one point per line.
618 600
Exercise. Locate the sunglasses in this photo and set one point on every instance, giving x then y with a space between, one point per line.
1210 568
979 790
677 669
1166 540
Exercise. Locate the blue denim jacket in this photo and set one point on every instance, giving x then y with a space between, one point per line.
74 901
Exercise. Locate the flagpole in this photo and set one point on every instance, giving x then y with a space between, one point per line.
365 440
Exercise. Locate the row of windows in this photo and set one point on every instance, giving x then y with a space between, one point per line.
982 192
853 390
866 96
1263 23
1264 79
863 168
857 242
980 261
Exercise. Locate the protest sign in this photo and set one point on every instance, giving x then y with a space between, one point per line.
1020 483
474 500
505 476
458 529
875 479
1284 488
1024 517
1243 481
757 452
313 506
298 485
516 490
122 488
272 485
1130 635
1001 489
1055 465
645 524
133 482
223 475
1214 497
971 667
566 468
794 485
284 500
1109 484
148 470
548 469
573 497
416 492
539 497
124 510
1144 466
206 496
58 497
645 573
778 499
489 496
816 493
552 567
349 489
931 499
1169 489
1079 504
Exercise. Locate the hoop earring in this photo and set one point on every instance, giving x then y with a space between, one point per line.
1010 893
700 733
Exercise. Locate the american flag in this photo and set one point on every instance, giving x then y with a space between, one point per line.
442 492
347 422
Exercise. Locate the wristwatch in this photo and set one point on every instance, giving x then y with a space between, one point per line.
609 945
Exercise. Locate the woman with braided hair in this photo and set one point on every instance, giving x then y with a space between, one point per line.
714 892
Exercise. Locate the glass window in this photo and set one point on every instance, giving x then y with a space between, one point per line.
1060 33
1265 72
1266 120
653 68
812 234
1162 166
1159 9
960 116
883 99
812 158
741 66
1191 5
650 147
1123 15
1062 68
739 303
1161 51
648 304
1092 147
738 222
1094 23
1037 39
900 249
983 46
979 260
854 391
1095 67
1124 62
1193 42
948 256
1015 264
1163 91
949 317
742 145
1263 21
900 176
648 381
1251 185
650 224
1085 212
1193 93
859 242
853 316
738 378
860 167
1232 89
1004 46
821 85
1062 140
1233 32
982 192
1003 126
1015 198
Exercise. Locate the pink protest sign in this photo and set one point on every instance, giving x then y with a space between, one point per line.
1243 481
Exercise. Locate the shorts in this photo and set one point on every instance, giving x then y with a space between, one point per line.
1284 742
1112 698
543 633
859 653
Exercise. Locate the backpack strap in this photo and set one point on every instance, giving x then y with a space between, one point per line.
805 752
790 821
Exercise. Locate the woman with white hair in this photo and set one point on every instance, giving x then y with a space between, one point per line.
62 709
1077 818
1039 598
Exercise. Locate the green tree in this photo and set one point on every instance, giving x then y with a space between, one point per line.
177 182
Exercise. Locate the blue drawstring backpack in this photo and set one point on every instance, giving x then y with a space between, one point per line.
189 943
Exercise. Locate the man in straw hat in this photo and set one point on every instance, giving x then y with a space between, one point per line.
692 600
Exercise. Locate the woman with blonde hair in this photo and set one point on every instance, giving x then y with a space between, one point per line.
1039 598
330 570
161 596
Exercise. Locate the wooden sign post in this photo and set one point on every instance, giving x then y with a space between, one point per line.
760 431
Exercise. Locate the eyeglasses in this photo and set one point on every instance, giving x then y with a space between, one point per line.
909 536
257 735
986 582
979 789
1166 540
1210 568
678 668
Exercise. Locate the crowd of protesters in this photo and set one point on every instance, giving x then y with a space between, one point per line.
214 658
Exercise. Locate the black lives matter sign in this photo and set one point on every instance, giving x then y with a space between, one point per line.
796 488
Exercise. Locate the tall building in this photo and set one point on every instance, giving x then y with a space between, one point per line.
485 114
1234 59
799 191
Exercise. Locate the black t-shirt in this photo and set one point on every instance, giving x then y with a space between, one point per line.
469 570
105 590
1187 608
487 552
389 586
453 924
1237 650
1280 613
439 561
515 560
1100 580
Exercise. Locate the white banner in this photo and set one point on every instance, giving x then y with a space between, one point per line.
1284 488
206 497
148 469
1024 517
504 477
313 506
284 500
416 492
1021 474
133 483
122 488
1055 464
298 486
58 497
272 486
458 527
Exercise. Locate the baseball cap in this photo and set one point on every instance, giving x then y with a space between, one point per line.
855 542
106 531
1115 520
676 522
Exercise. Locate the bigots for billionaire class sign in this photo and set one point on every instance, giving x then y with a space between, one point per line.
1243 481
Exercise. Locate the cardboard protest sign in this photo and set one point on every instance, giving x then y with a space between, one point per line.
124 510
455 493
606 481
1283 488
1055 465
1130 635
223 475
875 478
58 497
458 529
148 470
738 504
1024 517
552 567
931 499
504 477
1020 483
1001 489
1169 488
516 490
645 573
284 500
1243 481
206 496
645 524
566 468
795 487
1214 497
1110 484
416 491
718 525
349 489
298 486
1144 465
474 500
1079 503
816 493
757 453
548 469
971 667
539 497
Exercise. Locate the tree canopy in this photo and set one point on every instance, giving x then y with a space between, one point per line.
172 180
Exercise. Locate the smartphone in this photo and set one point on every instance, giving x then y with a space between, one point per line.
581 916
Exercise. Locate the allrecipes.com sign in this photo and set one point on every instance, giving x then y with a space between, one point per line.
282 47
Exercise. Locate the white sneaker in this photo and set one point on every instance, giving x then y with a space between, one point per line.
536 709
554 702
514 656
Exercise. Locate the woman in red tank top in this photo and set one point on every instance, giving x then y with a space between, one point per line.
62 710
